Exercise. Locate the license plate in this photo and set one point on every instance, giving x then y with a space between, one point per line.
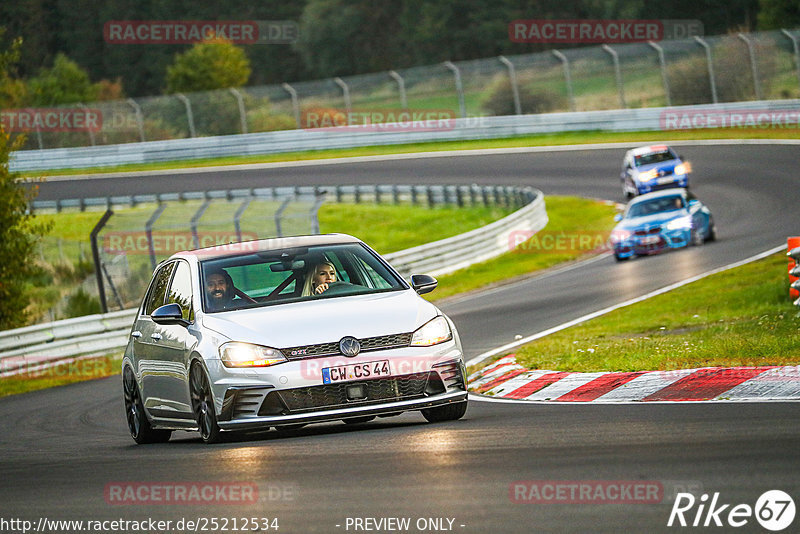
355 371
666 180
649 240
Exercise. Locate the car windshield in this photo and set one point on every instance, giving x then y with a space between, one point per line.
292 275
653 157
655 205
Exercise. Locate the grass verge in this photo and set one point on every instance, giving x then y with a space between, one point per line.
566 138
61 374
565 238
741 317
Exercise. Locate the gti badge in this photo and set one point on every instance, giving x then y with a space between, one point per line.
349 346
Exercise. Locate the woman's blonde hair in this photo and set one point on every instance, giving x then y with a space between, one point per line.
308 288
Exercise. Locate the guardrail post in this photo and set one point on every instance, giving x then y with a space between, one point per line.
91 132
401 85
512 75
663 63
459 197
459 87
414 200
395 194
346 94
195 219
148 229
189 115
431 200
137 110
240 103
96 258
617 74
796 51
237 217
710 64
567 78
753 65
295 104
485 194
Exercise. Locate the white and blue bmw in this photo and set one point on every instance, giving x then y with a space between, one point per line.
652 168
659 221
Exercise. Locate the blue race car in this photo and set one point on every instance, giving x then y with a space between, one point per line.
652 168
659 221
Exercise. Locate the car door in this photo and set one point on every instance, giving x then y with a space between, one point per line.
143 345
171 346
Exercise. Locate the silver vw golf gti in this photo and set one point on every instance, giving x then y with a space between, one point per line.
285 332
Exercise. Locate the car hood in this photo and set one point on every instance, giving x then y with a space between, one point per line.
651 220
324 320
668 165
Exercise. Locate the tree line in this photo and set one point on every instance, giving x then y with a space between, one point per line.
336 37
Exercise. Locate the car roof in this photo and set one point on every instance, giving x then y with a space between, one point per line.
650 149
264 245
659 194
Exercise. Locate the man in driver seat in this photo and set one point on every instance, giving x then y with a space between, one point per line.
219 290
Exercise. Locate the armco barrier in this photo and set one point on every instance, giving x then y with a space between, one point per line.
353 136
36 347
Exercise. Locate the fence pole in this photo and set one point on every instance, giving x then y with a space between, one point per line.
401 85
314 212
346 94
753 66
96 257
279 214
295 104
189 114
237 217
459 87
196 219
796 51
617 74
567 78
707 48
663 64
139 117
91 132
148 230
240 102
512 75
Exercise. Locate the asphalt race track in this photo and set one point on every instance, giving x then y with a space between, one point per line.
62 451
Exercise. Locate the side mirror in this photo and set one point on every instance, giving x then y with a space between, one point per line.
423 283
618 217
168 314
693 202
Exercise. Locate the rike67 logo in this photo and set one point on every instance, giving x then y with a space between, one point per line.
774 510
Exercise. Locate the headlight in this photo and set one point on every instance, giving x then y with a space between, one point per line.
680 224
620 235
649 175
236 354
683 168
433 332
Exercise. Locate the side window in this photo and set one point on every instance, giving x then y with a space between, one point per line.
158 288
180 290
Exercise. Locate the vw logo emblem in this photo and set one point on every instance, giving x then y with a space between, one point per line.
349 346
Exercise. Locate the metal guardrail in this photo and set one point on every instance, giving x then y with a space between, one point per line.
39 346
354 136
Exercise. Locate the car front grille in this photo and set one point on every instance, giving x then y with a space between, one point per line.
331 396
650 231
332 348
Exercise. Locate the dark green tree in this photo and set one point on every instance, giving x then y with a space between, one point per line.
19 229
213 64
65 83
775 14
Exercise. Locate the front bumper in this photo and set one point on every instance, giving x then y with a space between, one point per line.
295 392
652 243
665 182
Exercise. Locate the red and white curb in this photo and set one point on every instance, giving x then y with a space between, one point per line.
506 379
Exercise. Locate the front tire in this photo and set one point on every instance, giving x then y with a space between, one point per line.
138 425
448 412
712 231
203 405
697 238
